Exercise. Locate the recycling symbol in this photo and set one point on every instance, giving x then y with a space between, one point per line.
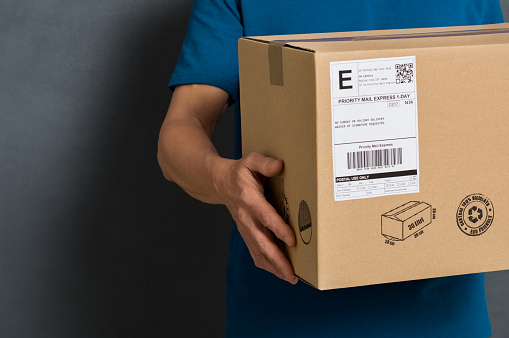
474 214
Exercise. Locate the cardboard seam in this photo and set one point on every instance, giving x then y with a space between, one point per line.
315 87
284 45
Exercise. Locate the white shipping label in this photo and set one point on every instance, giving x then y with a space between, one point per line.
374 127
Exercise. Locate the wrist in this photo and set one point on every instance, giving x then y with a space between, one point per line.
218 168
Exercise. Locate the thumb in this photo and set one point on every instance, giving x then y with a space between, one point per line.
267 166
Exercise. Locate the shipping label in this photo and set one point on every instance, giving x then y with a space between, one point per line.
374 127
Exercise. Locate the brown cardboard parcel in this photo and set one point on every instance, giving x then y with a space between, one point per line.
376 189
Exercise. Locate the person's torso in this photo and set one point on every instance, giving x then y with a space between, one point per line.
257 302
271 17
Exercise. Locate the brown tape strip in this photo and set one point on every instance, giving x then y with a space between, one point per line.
276 63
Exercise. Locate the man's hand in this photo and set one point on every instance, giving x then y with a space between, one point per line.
187 156
241 186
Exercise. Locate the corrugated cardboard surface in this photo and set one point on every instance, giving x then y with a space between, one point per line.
463 117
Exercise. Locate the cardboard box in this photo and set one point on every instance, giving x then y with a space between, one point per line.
395 146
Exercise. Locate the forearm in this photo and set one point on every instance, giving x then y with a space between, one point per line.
187 156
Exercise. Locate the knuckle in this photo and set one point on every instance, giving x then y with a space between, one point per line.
256 154
245 196
262 246
254 159
265 218
243 216
249 158
258 260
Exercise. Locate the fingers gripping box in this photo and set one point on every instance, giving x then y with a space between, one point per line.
394 145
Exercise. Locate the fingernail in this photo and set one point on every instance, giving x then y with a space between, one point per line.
272 164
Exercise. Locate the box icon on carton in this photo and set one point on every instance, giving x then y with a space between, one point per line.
405 220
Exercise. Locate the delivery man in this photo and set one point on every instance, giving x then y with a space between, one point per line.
263 296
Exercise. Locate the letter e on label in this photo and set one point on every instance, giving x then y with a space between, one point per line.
345 80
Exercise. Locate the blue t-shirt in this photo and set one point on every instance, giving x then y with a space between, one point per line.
261 305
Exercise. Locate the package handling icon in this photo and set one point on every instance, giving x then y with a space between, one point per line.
402 222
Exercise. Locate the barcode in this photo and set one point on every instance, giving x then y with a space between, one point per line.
374 158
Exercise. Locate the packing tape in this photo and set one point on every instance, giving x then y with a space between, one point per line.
276 63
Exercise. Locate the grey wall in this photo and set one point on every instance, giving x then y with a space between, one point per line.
93 241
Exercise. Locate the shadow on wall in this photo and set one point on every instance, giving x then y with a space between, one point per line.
148 260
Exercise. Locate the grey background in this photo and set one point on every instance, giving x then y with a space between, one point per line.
93 241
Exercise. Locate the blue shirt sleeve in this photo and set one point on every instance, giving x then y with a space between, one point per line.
209 53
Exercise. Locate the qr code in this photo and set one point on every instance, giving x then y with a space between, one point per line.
405 73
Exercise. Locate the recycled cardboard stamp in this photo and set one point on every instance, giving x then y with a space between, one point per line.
475 214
